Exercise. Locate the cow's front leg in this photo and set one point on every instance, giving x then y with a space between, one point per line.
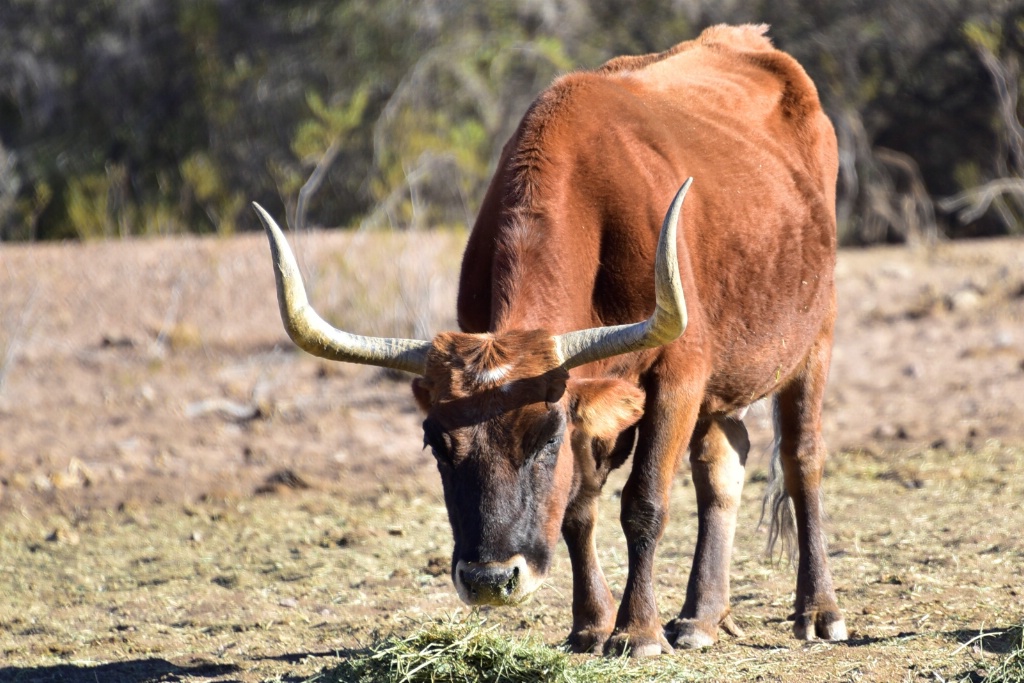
718 454
593 609
667 423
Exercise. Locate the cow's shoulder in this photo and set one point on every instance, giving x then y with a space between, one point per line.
724 58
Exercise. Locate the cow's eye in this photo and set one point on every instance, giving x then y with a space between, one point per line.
547 449
437 440
546 438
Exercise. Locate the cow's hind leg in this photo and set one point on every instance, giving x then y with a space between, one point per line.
801 450
718 454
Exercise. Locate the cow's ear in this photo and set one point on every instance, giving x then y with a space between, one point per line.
603 408
421 391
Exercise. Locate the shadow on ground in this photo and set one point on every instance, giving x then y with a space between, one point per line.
296 657
1000 640
138 671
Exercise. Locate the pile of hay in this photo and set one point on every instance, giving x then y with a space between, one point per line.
471 652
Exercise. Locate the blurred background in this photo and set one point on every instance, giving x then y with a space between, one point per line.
125 117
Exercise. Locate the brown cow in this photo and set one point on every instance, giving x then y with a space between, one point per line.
551 384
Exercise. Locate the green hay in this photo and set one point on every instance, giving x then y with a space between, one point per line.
472 652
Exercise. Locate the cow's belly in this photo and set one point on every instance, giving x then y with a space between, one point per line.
752 361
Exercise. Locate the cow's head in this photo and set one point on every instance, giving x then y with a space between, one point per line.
503 416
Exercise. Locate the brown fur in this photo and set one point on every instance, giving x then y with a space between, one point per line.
565 239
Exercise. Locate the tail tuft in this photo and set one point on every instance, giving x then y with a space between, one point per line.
778 505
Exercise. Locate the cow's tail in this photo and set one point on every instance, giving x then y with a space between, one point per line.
777 504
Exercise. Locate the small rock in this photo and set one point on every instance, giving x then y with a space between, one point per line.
65 481
885 431
116 342
282 480
289 602
63 536
912 371
965 299
438 566
333 538
227 580
400 573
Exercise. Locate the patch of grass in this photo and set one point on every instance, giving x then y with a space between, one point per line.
473 652
1010 669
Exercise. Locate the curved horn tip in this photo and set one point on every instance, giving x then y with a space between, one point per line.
677 201
318 338
671 315
265 217
667 323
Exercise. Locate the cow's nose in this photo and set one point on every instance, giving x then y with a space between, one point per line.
493 584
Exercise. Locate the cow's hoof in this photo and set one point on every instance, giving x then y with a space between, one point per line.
691 634
695 634
637 645
825 625
587 641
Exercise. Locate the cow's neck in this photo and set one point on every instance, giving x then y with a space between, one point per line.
541 275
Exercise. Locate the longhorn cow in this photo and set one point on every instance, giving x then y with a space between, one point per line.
551 383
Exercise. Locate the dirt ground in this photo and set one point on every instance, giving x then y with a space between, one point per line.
185 497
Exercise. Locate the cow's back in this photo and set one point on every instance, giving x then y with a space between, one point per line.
746 123
747 94
587 177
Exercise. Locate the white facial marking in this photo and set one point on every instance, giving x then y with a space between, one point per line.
494 375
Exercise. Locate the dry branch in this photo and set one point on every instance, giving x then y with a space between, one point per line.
972 203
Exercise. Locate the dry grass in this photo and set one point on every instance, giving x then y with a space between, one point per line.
388 283
300 583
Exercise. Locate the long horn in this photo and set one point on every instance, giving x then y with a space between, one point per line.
664 326
314 335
